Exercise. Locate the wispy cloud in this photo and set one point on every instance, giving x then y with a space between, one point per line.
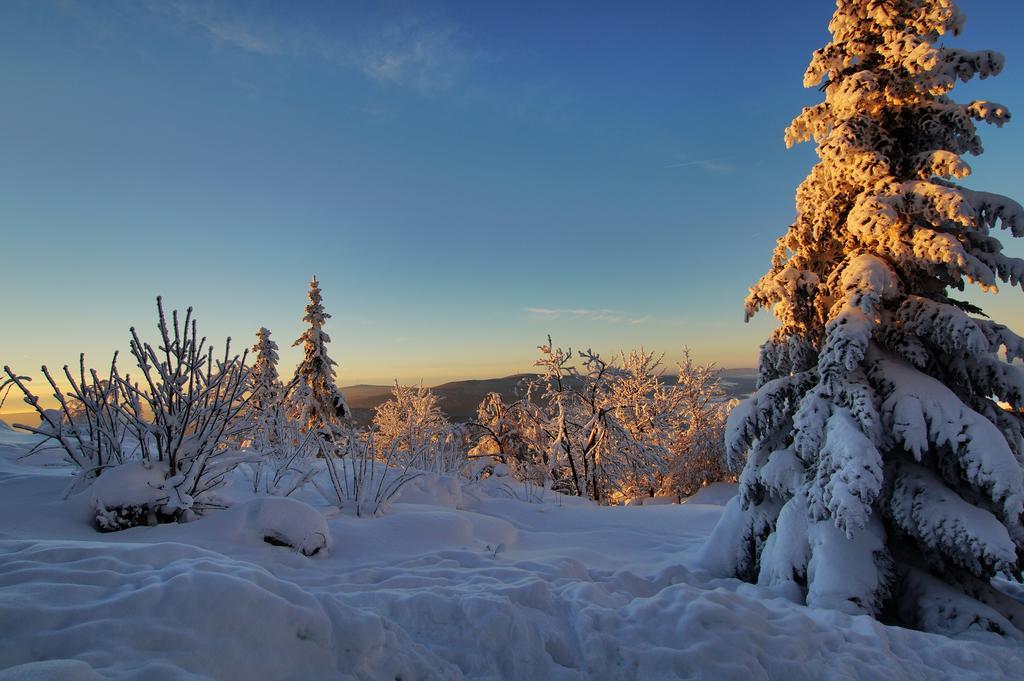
593 315
223 30
712 165
429 56
426 53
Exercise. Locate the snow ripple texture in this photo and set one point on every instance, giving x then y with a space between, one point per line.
494 588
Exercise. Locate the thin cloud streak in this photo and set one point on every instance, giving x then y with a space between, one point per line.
408 50
221 31
598 315
713 165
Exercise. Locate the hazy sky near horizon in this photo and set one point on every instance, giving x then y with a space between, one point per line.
464 178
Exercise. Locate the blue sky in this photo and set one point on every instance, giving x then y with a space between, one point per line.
464 178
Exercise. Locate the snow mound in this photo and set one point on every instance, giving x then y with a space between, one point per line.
435 490
51 670
660 500
130 484
18 438
146 611
282 521
506 586
715 494
128 495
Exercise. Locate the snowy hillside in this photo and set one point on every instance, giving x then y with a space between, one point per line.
458 580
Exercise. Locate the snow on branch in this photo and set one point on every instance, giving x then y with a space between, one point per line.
848 477
921 415
924 507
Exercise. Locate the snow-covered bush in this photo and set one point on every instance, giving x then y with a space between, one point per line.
589 450
184 410
882 473
89 425
446 455
654 411
178 417
512 435
410 420
698 450
287 465
608 430
364 476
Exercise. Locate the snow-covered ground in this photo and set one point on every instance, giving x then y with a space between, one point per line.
456 581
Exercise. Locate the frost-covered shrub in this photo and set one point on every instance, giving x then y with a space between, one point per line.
179 416
882 473
609 430
89 425
287 465
364 477
513 435
591 422
698 450
698 458
184 410
411 420
446 455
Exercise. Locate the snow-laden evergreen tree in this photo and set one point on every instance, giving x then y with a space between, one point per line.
266 393
885 450
316 401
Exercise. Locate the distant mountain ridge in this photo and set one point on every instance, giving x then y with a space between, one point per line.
459 399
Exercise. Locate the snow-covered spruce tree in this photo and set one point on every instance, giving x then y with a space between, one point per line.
266 393
885 449
316 401
265 383
285 450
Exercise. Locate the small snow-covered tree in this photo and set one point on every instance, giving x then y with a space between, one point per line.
511 434
590 422
264 382
698 448
316 401
649 409
411 419
882 470
266 393
285 452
